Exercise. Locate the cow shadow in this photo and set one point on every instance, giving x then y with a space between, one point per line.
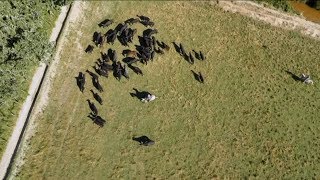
176 47
139 94
196 76
295 77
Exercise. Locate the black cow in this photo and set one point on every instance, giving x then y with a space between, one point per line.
97 119
130 60
202 56
149 32
89 49
197 55
201 77
97 97
191 58
198 77
135 69
147 23
132 21
106 23
92 107
182 51
125 72
144 140
144 18
81 80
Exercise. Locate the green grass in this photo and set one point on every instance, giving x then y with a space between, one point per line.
249 119
9 112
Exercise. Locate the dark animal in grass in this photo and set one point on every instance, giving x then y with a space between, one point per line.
159 51
198 77
201 77
202 57
97 85
130 60
149 32
104 57
129 53
117 72
132 21
125 26
144 140
93 75
191 58
135 69
114 56
105 23
110 32
197 55
147 23
89 49
81 80
154 41
98 120
100 71
125 72
182 51
186 57
92 107
143 18
111 39
98 39
153 54
159 44
165 46
177 48
139 94
97 97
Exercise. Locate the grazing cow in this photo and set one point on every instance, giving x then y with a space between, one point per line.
197 55
201 77
202 56
89 49
81 80
98 39
117 72
129 53
125 72
130 60
104 57
159 44
149 32
182 50
97 97
124 27
186 57
165 46
177 48
152 55
93 108
198 77
159 51
97 119
144 140
132 21
154 41
101 72
97 85
191 58
143 18
149 98
105 23
93 75
147 23
135 69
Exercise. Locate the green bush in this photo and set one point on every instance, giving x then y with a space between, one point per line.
24 43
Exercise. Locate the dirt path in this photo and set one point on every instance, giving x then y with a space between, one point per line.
273 17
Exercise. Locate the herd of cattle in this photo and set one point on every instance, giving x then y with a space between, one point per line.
144 52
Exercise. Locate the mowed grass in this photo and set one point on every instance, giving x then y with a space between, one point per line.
249 118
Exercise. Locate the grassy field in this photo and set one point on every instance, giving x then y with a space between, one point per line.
249 119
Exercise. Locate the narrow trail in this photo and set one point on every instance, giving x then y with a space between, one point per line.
271 16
